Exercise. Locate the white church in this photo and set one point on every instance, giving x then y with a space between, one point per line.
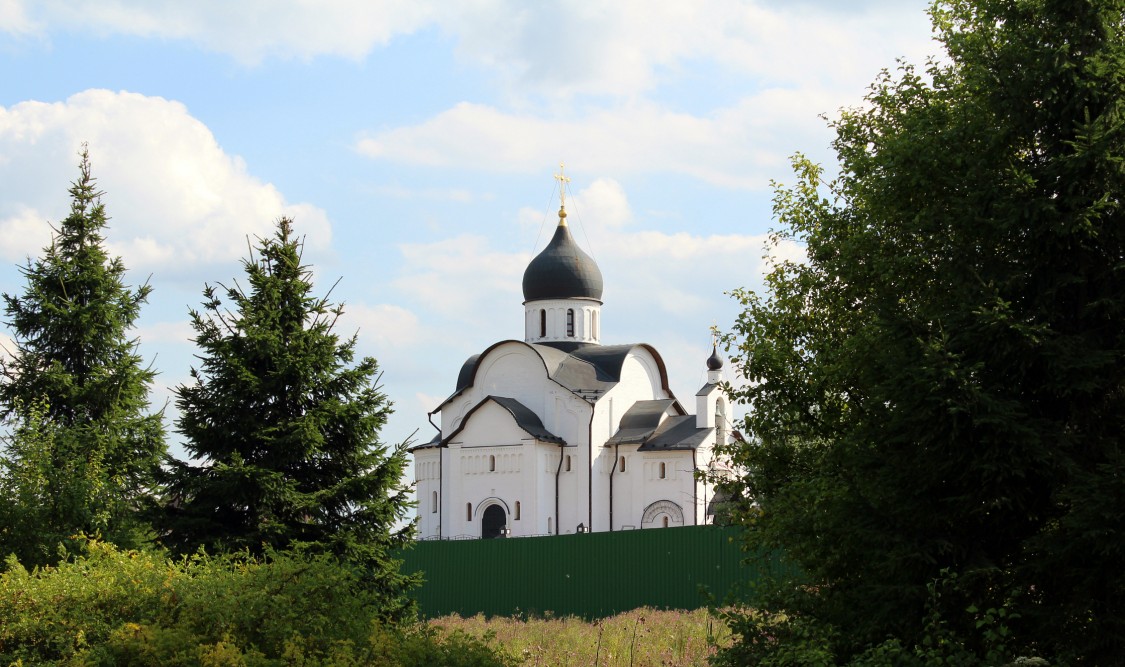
558 433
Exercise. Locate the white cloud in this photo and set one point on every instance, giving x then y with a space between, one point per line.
629 47
606 202
175 199
22 233
424 403
621 48
382 326
14 19
176 333
248 30
739 146
462 278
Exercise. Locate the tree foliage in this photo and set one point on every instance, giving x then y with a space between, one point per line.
107 606
938 392
282 428
83 449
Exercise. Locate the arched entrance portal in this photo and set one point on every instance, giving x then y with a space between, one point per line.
492 522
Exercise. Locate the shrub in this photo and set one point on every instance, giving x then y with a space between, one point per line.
112 607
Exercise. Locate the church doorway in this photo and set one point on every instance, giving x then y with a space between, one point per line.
492 522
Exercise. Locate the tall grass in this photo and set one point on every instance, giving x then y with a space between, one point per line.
638 638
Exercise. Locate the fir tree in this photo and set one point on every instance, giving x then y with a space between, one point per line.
76 387
283 428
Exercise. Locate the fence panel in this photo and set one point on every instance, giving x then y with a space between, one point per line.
591 575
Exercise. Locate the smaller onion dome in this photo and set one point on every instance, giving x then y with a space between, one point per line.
714 362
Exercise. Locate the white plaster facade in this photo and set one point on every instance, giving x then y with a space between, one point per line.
557 433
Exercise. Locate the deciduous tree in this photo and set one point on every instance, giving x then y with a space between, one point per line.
938 392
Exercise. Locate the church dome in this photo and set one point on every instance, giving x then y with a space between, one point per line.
562 270
715 361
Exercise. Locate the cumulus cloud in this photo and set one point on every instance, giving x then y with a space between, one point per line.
738 146
550 59
462 278
607 203
248 30
14 19
793 65
176 199
631 46
383 326
619 48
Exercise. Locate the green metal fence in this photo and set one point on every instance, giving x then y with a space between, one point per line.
592 575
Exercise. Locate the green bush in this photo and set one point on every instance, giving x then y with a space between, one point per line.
113 607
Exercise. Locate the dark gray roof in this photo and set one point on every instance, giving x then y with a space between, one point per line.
707 389
526 419
676 433
562 271
714 362
468 369
587 370
434 442
640 421
523 416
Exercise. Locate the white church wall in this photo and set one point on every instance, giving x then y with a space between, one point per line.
584 328
640 381
495 462
515 371
676 488
427 480
640 373
570 420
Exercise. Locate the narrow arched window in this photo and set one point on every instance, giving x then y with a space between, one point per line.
568 462
433 502
570 323
663 470
491 463
517 512
542 322
468 511
549 526
594 324
665 522
621 465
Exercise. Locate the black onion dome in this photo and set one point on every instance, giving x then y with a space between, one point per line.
562 271
714 362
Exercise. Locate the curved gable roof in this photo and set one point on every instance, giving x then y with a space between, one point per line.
586 370
524 418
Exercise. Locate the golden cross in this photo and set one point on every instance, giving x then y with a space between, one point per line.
563 179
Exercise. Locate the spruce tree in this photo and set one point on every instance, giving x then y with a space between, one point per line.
283 427
76 389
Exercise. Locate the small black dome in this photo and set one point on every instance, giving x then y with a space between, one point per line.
714 362
562 271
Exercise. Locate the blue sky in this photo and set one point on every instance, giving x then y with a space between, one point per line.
414 144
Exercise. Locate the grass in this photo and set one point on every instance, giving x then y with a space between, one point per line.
638 638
